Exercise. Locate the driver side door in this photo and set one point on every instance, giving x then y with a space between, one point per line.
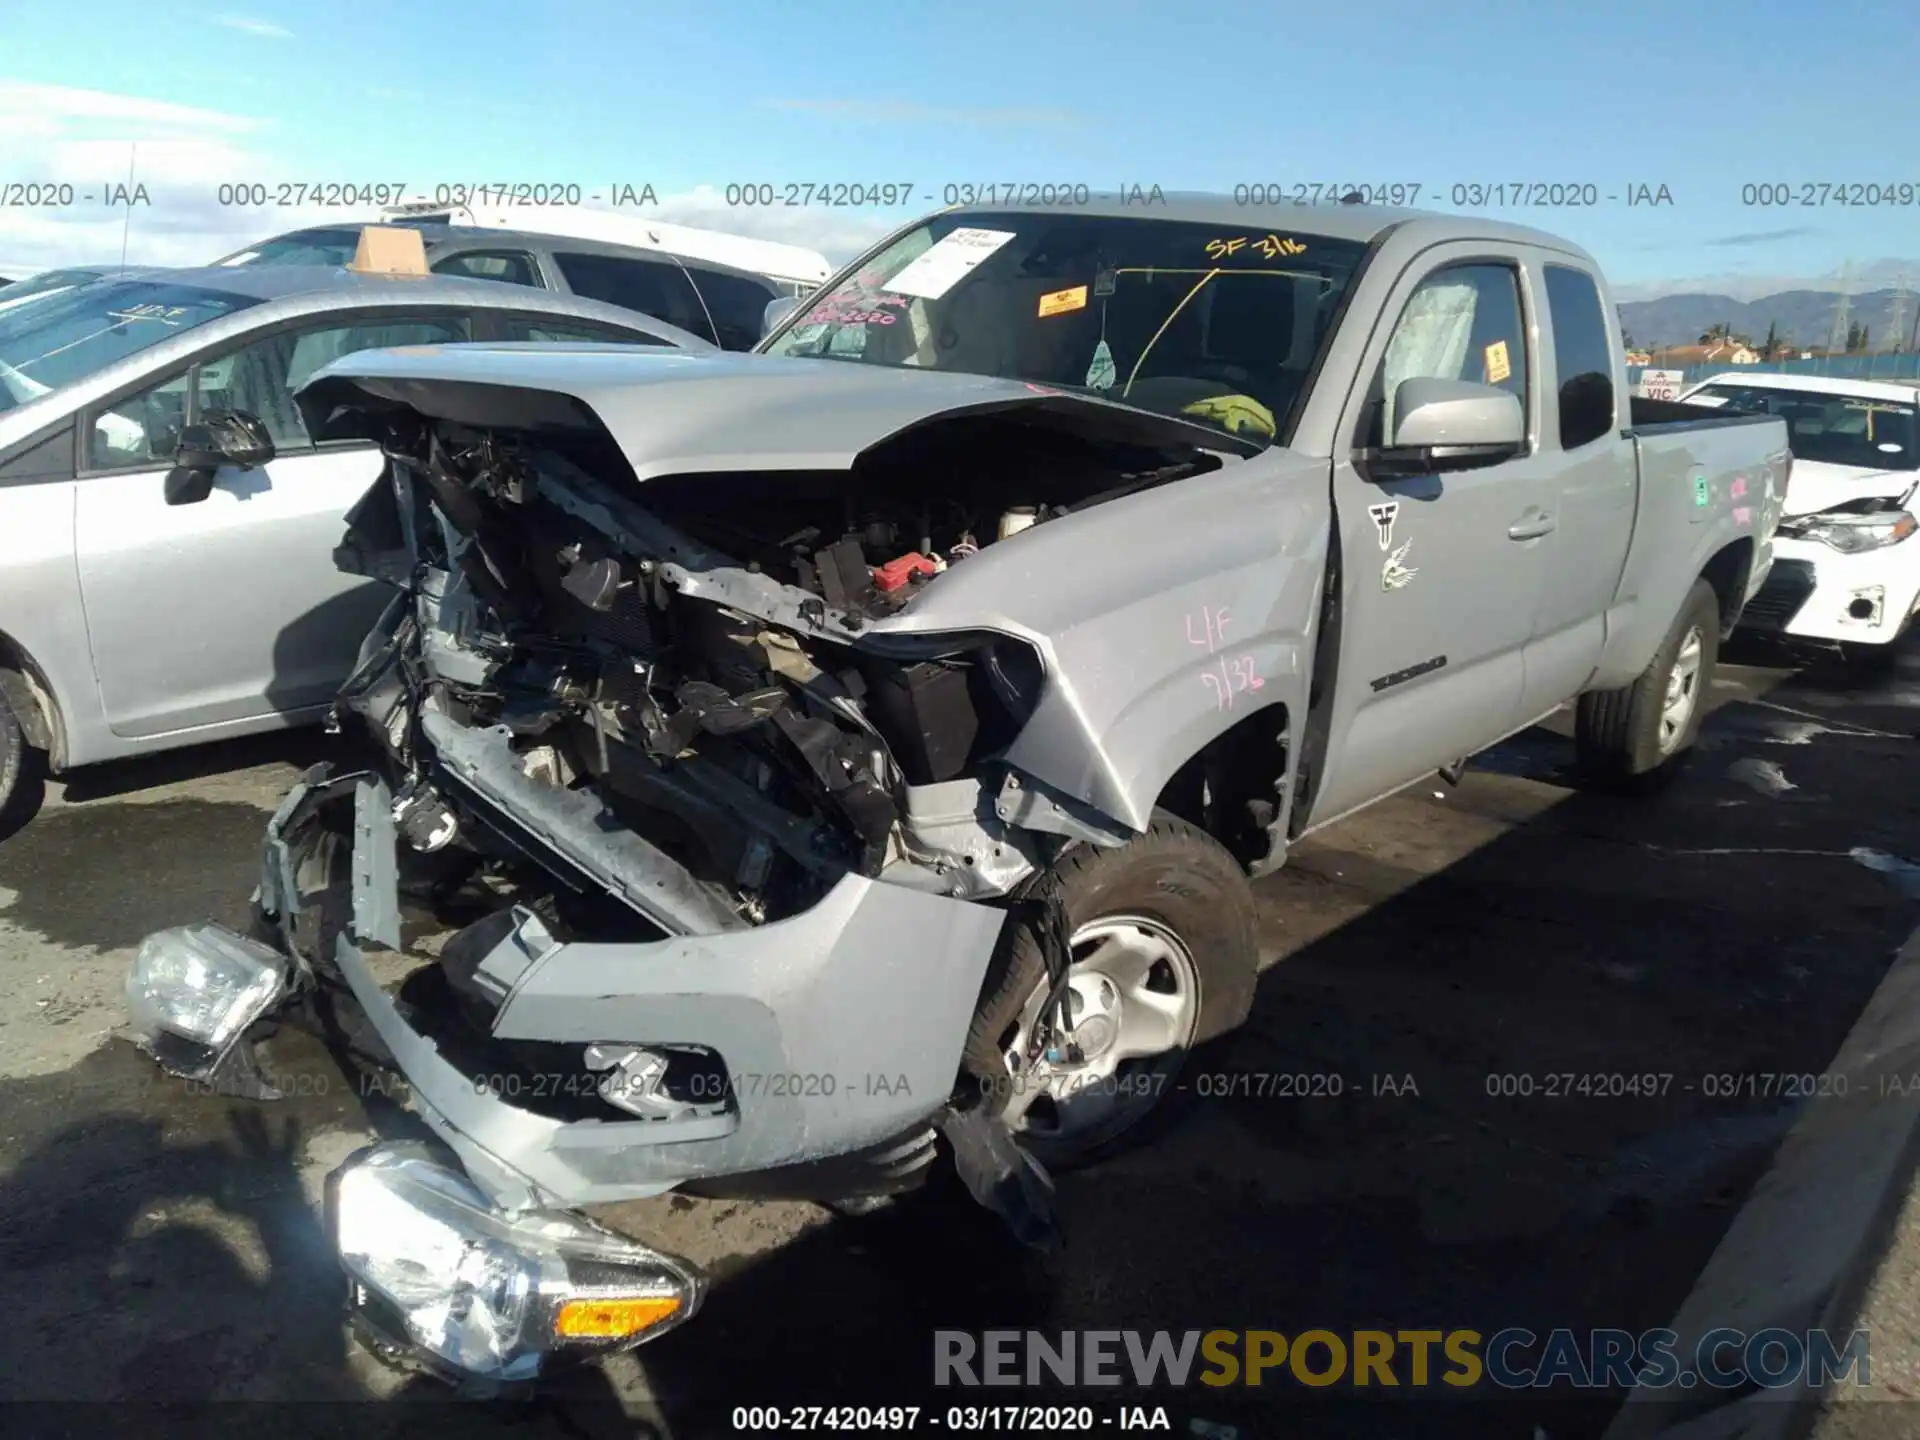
1439 572
229 611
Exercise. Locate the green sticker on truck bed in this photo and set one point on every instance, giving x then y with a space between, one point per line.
1702 496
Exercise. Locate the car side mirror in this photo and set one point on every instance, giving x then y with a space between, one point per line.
776 311
225 437
1444 425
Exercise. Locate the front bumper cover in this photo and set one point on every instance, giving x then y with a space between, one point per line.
1814 589
840 1028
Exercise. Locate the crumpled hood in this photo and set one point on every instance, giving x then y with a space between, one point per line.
1817 485
672 413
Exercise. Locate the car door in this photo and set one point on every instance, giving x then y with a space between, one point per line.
1438 579
230 609
1588 456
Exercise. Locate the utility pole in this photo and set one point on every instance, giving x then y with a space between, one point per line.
1897 324
1837 336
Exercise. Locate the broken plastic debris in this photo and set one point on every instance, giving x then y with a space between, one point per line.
1002 1176
1761 775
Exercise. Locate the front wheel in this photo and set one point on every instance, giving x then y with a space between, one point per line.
1636 736
1164 958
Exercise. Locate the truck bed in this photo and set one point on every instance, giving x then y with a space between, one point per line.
1707 482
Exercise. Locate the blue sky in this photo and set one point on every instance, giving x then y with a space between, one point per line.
1700 98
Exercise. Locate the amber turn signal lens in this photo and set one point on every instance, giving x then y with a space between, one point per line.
613 1319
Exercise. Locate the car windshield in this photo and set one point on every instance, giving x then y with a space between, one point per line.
303 247
1217 323
65 337
1836 429
38 287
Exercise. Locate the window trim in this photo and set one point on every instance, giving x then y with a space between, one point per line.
1517 266
85 418
1614 427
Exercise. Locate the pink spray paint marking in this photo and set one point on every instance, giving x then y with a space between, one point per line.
1229 675
1742 515
1738 488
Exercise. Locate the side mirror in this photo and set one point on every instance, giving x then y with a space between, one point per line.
225 437
776 311
1450 425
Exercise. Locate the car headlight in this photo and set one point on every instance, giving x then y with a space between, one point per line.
1853 533
193 989
482 1293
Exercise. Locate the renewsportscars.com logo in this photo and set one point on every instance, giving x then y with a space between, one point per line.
1511 1359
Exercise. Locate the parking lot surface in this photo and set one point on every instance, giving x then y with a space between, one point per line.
1457 978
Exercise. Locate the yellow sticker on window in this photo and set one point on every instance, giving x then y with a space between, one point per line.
1498 366
1061 301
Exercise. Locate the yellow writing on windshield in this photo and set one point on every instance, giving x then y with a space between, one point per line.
1270 246
1873 408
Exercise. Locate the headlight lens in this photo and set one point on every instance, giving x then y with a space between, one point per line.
488 1294
193 989
1853 533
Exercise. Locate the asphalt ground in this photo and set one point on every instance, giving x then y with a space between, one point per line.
1438 967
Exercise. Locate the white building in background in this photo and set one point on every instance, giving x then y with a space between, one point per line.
793 265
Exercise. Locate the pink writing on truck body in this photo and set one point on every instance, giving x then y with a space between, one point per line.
1229 675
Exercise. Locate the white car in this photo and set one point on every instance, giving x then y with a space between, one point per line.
1844 570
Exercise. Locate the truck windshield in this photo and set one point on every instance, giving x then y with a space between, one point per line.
1221 324
1821 426
64 337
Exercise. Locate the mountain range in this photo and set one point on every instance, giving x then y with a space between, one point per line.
1802 316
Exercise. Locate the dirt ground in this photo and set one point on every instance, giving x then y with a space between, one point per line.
162 1247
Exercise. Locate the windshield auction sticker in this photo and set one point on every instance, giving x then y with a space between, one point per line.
1061 301
946 262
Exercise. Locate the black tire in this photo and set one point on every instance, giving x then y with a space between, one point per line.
1617 733
23 772
1173 875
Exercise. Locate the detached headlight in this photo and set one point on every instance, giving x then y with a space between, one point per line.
193 990
1853 533
485 1294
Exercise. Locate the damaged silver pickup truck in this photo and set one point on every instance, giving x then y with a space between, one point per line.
806 756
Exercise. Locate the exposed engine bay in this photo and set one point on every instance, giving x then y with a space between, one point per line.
698 666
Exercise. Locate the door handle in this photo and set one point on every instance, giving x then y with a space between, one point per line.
1531 526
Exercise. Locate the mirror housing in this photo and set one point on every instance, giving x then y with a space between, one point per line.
777 310
1445 425
225 437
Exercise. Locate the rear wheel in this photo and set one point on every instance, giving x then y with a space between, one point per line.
1163 959
23 771
1636 736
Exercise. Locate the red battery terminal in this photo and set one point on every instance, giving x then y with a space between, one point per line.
896 573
